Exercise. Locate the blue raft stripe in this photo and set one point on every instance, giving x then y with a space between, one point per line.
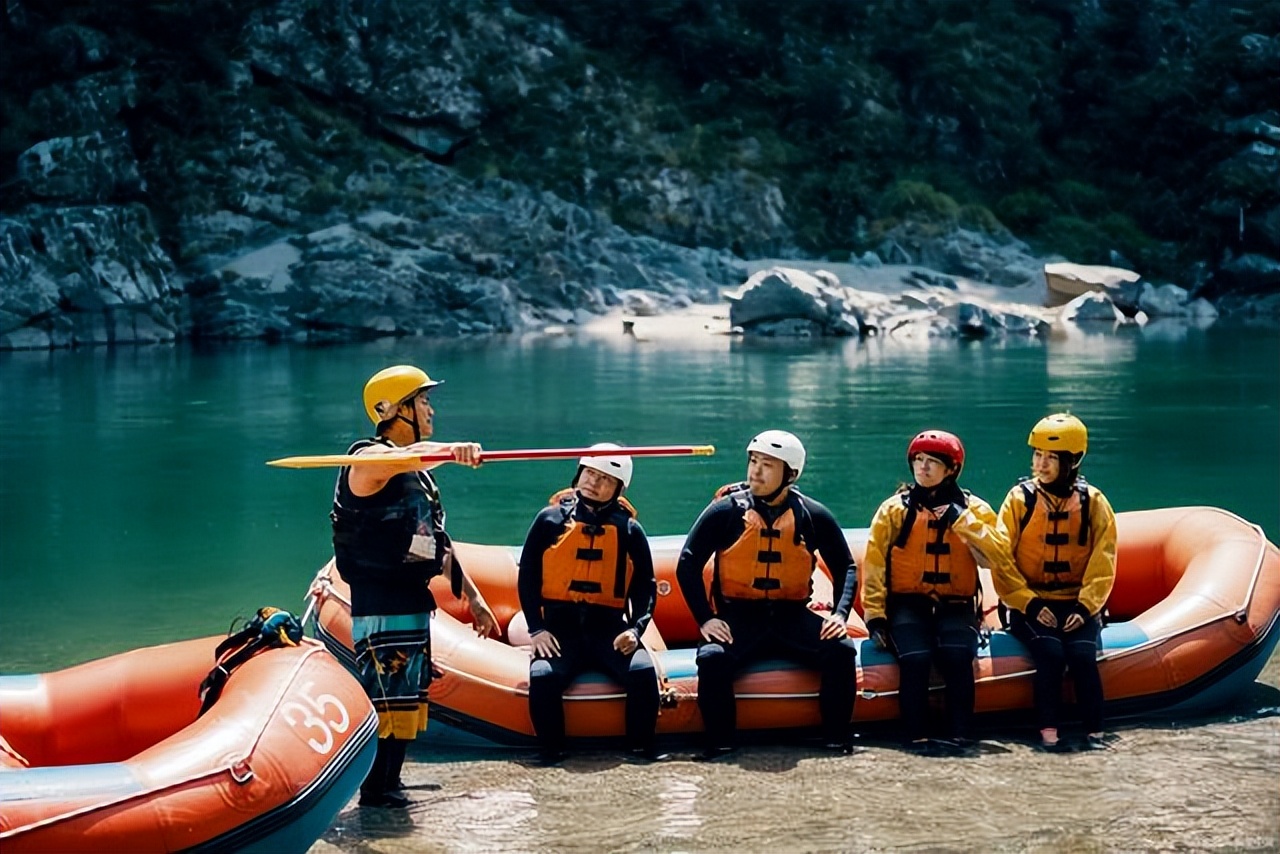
681 663
1122 636
108 780
339 651
20 683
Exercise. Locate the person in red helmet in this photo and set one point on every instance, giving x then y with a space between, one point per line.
921 588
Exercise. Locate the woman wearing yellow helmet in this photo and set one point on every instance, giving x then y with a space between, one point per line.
1058 573
389 541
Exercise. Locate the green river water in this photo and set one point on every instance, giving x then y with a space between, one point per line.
135 508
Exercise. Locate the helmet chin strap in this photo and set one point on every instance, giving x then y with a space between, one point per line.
927 493
595 506
787 479
417 431
1066 479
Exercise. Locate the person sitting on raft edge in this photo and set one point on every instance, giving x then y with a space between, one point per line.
1058 573
766 536
389 541
587 591
921 593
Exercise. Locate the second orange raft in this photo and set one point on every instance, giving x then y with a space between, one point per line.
1193 619
113 755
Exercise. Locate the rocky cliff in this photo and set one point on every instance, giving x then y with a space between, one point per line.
336 169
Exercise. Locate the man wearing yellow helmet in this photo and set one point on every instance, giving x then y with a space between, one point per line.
389 541
587 591
765 537
1058 573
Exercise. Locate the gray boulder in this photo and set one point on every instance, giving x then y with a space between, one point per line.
1092 307
1163 301
780 293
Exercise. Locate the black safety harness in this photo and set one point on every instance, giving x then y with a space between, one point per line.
271 628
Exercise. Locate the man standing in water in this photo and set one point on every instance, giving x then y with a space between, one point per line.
766 536
1058 573
587 590
389 541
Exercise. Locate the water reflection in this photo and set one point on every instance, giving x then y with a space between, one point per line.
678 816
496 820
1070 346
1176 329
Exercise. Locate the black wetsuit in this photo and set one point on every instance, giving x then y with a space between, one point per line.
586 631
764 628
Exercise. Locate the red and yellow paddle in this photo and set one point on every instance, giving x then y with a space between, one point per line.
329 460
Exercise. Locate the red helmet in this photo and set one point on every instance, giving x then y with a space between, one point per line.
938 443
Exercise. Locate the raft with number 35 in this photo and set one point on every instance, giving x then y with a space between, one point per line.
1192 621
113 755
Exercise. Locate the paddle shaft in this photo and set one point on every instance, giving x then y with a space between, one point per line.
329 460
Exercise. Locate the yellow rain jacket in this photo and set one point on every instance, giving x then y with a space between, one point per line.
923 568
1054 552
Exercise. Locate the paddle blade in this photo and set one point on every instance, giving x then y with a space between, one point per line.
330 460
319 461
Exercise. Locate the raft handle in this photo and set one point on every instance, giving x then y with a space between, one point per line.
241 772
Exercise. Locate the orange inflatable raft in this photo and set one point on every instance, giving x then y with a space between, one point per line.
110 755
1193 619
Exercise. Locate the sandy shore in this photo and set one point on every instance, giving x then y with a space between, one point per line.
1206 784
702 322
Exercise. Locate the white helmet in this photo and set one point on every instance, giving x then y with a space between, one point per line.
781 445
619 467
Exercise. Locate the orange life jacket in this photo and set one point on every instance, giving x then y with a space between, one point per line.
931 559
768 563
1054 547
589 562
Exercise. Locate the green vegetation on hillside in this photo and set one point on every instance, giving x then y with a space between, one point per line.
1083 127
1087 128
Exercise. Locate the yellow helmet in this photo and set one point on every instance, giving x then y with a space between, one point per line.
390 387
1059 432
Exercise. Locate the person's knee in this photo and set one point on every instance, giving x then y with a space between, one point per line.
915 658
640 663
714 666
838 650
1081 655
641 679
544 675
711 655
